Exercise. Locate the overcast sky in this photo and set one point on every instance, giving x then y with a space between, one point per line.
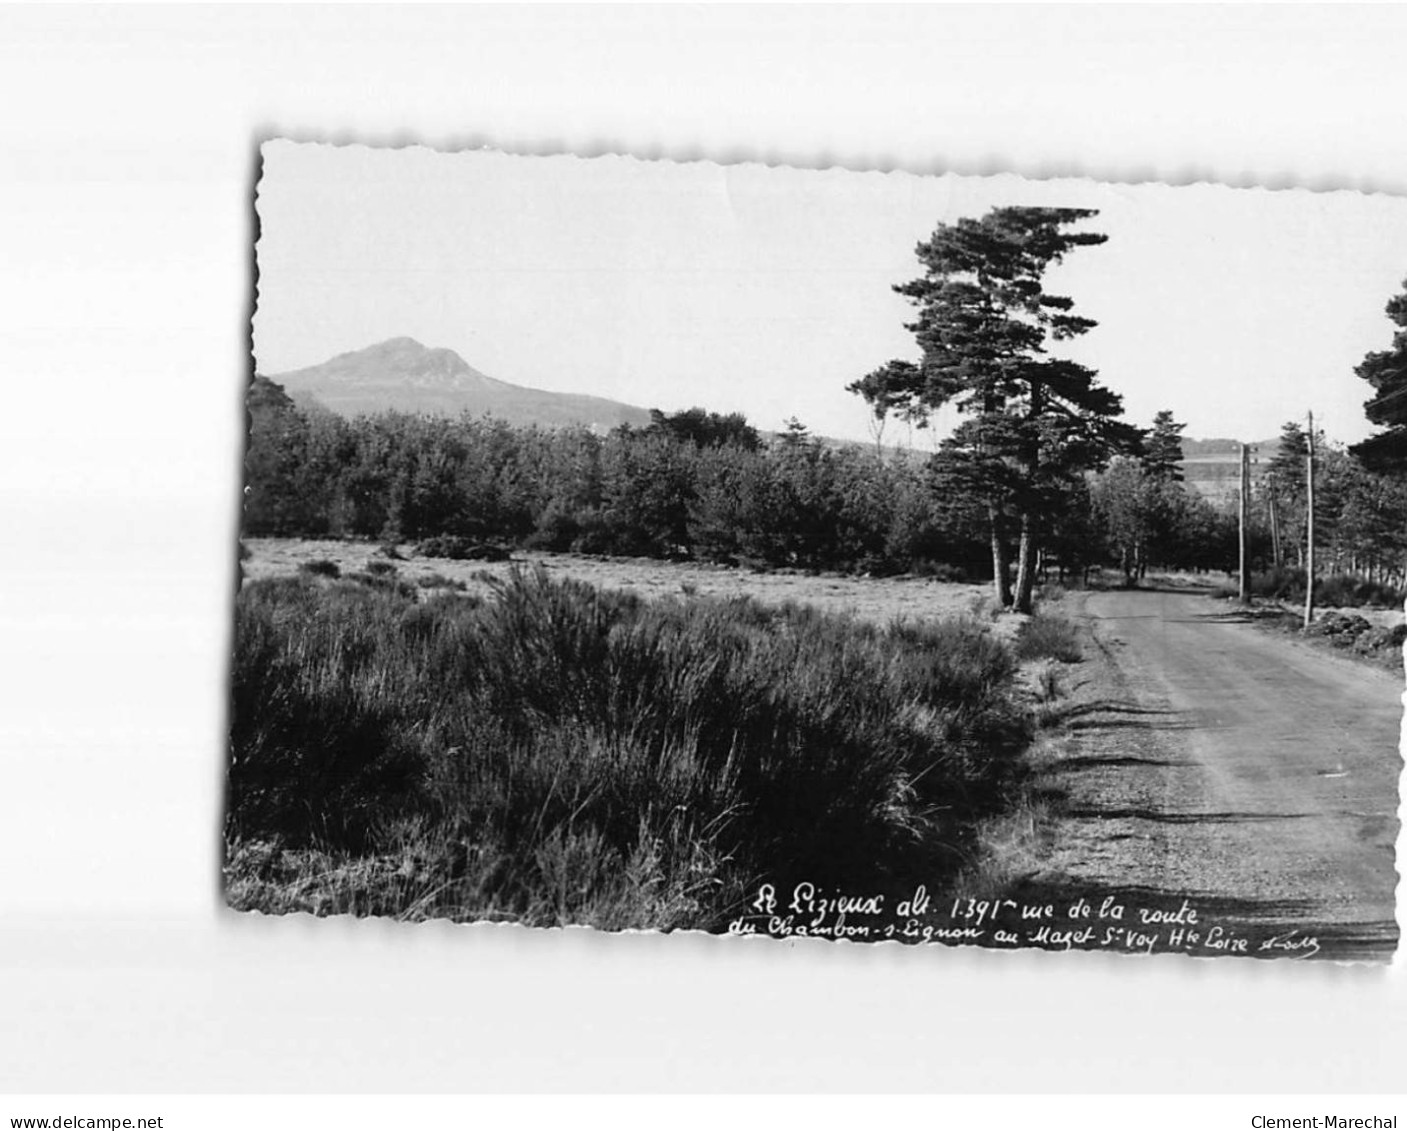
766 291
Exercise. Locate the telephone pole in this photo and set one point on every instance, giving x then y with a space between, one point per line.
1245 534
1274 523
1309 527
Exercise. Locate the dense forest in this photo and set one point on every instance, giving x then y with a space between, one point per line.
711 488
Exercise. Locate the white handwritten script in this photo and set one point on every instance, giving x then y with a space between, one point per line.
1104 923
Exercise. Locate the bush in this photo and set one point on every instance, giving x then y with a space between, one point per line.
1344 591
439 581
321 567
1046 636
458 548
569 754
1283 584
942 571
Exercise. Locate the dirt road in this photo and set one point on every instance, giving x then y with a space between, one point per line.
1243 772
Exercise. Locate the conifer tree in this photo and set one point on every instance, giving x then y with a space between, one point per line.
1162 450
1386 371
1031 421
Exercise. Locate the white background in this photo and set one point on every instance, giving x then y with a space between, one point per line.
127 157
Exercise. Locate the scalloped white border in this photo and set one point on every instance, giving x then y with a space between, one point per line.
127 181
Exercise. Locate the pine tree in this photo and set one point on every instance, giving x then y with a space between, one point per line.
1032 420
1162 450
880 390
1286 479
1386 371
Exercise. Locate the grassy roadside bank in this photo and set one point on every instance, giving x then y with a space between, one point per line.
561 753
1011 845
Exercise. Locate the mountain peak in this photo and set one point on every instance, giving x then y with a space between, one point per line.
394 362
403 374
401 345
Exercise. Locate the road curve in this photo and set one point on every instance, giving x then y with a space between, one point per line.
1247 771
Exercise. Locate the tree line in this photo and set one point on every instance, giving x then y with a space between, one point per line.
1041 472
693 484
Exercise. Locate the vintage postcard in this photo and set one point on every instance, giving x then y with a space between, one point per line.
817 554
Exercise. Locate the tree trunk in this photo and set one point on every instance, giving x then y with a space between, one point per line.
1026 572
1000 580
1026 565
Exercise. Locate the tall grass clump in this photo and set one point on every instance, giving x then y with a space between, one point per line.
1047 636
561 753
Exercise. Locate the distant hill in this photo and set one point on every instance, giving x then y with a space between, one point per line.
1213 467
404 375
1210 467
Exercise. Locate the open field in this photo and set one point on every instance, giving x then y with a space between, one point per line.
874 600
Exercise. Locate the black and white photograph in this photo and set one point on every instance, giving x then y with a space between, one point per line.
842 561
789 553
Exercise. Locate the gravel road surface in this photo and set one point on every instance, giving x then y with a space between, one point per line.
1247 773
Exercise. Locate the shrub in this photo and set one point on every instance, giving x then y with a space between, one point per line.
557 529
439 581
942 571
1346 591
321 567
1046 636
569 754
458 548
1283 584
1335 591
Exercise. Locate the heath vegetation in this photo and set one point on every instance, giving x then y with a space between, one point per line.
561 753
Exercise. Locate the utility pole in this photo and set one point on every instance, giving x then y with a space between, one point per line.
1274 523
1245 534
1309 527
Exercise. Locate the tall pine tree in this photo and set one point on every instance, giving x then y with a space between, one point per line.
1032 421
1285 482
1162 449
1386 371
